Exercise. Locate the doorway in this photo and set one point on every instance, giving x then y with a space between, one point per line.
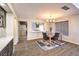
22 31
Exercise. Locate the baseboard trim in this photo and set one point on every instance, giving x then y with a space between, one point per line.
71 42
35 39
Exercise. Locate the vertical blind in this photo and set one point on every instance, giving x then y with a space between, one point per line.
62 27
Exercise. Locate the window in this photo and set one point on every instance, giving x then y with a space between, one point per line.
62 27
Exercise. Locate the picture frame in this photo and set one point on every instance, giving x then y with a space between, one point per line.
1 21
2 17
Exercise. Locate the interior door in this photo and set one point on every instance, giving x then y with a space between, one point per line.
22 30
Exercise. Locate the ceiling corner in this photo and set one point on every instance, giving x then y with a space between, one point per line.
76 5
11 7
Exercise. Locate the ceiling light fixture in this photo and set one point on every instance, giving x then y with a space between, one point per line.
65 8
50 20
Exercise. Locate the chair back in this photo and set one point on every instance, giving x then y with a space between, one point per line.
45 36
56 36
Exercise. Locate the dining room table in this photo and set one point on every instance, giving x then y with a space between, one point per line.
50 35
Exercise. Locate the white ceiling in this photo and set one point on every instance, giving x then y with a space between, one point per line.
43 10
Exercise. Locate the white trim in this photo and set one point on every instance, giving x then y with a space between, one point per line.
10 6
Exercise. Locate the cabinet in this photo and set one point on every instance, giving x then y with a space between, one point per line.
8 50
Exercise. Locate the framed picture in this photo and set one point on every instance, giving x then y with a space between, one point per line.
1 21
2 17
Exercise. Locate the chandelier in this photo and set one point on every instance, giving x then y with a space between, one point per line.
50 20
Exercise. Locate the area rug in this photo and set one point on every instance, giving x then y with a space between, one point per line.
45 45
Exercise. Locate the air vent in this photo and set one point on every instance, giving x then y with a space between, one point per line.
65 8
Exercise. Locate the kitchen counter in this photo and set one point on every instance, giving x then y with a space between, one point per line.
4 41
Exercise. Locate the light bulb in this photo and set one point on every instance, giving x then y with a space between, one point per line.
53 20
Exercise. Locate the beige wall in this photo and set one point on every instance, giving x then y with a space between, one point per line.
73 28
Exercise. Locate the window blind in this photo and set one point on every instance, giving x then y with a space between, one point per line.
62 27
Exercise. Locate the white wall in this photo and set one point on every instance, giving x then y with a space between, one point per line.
73 28
9 24
30 33
15 31
12 27
2 32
